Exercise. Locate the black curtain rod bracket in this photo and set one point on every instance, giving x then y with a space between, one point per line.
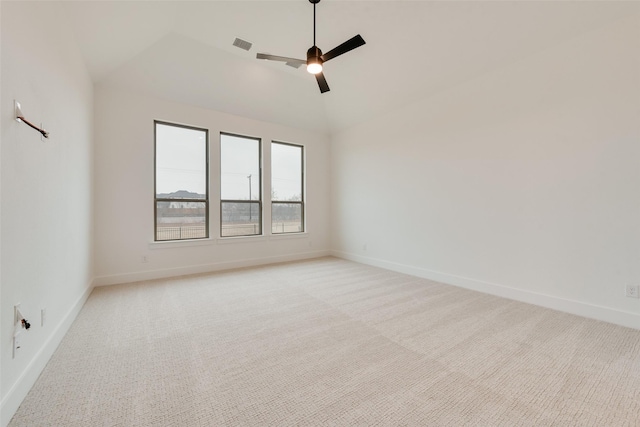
20 118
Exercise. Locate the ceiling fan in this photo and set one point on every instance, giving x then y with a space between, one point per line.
315 58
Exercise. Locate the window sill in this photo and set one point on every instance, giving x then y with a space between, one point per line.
285 236
241 239
168 244
263 237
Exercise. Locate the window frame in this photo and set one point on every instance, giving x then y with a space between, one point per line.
303 218
167 199
259 201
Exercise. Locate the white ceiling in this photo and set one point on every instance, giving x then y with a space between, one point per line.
183 51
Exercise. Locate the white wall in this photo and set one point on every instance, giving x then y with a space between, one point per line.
124 185
522 182
46 189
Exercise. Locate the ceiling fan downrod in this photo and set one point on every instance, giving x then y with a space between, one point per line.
314 60
314 2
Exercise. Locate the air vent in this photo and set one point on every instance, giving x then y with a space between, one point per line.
293 64
242 44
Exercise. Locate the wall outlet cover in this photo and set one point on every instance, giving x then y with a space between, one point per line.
632 291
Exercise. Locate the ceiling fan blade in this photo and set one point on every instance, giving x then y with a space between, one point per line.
280 58
345 47
322 83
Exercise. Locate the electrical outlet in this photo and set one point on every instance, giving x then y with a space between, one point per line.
632 291
43 316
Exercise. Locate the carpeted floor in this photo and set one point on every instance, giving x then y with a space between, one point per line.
330 342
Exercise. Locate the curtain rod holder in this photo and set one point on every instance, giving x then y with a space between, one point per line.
20 118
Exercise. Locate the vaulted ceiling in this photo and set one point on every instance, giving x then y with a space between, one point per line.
182 51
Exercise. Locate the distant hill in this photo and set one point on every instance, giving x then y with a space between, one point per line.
181 194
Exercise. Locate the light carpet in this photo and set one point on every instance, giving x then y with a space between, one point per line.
329 342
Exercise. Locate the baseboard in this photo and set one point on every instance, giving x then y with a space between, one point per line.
203 268
27 379
606 314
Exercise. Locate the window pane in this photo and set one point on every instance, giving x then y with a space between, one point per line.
286 218
181 162
240 219
286 172
239 168
181 220
287 186
181 169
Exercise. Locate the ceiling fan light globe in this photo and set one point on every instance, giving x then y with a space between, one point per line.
314 67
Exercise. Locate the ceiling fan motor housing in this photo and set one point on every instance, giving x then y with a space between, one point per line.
313 55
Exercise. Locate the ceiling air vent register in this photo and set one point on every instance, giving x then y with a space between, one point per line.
242 44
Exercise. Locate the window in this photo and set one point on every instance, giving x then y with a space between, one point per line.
240 186
181 184
287 183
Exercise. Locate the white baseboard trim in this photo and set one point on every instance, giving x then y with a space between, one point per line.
27 379
203 268
606 314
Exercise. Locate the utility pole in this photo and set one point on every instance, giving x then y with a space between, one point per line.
250 215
